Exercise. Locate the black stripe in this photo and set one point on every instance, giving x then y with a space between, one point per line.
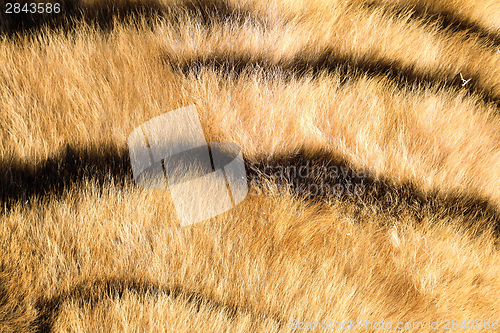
71 167
95 291
446 21
374 194
349 68
208 12
102 14
21 181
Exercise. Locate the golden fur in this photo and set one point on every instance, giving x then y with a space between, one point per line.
374 92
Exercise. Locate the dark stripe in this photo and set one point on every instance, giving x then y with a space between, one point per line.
71 167
349 68
22 182
446 21
95 291
368 193
208 12
101 15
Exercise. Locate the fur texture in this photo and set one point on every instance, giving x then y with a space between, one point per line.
370 133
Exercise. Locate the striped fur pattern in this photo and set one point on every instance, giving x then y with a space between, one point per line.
370 131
